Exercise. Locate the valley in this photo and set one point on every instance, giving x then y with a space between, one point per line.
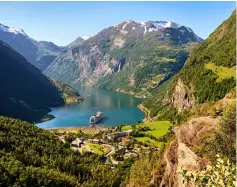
168 100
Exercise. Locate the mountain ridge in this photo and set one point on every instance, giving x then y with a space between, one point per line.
198 83
25 92
103 57
38 53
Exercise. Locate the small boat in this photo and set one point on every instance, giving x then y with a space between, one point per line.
96 117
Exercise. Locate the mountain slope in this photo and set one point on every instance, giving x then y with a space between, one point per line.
30 156
76 42
207 76
201 103
117 56
40 54
25 92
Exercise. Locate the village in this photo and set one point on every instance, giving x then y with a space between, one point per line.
114 144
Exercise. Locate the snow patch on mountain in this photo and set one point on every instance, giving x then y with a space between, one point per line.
86 37
171 24
143 23
125 25
145 30
5 28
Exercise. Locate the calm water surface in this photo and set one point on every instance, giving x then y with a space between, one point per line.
117 108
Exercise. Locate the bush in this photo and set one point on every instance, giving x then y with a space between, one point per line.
223 173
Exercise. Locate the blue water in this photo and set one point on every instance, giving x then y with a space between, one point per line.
117 108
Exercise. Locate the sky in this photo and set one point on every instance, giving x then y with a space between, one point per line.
63 22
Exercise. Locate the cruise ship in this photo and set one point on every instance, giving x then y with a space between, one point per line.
96 117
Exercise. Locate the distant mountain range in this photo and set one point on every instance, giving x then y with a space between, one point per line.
131 57
38 53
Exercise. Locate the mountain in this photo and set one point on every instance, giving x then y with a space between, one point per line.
25 92
200 102
40 54
120 56
207 76
76 42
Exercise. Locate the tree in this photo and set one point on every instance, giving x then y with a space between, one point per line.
222 139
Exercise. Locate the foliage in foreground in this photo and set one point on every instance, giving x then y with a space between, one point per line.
222 174
221 140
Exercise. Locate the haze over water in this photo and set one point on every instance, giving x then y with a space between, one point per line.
117 108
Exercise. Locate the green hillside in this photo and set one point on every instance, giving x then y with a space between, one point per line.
207 76
25 92
150 61
30 156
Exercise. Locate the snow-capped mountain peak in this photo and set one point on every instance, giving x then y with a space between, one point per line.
131 26
5 28
148 26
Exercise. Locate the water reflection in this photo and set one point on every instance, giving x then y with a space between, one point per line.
106 98
118 108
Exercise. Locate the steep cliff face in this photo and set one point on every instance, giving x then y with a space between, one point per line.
132 57
179 156
182 97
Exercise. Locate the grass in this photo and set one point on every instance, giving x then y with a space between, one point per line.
126 127
221 71
158 128
148 141
99 149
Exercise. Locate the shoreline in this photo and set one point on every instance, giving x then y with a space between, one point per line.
147 113
78 127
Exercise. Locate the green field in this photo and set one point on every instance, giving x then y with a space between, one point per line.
99 149
158 129
148 141
221 71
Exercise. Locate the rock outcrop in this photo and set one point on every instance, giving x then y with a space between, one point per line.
182 98
179 155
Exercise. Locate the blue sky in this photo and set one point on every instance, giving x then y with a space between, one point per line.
63 22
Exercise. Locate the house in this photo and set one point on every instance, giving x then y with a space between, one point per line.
77 142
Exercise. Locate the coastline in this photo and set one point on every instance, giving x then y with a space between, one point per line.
81 128
147 113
